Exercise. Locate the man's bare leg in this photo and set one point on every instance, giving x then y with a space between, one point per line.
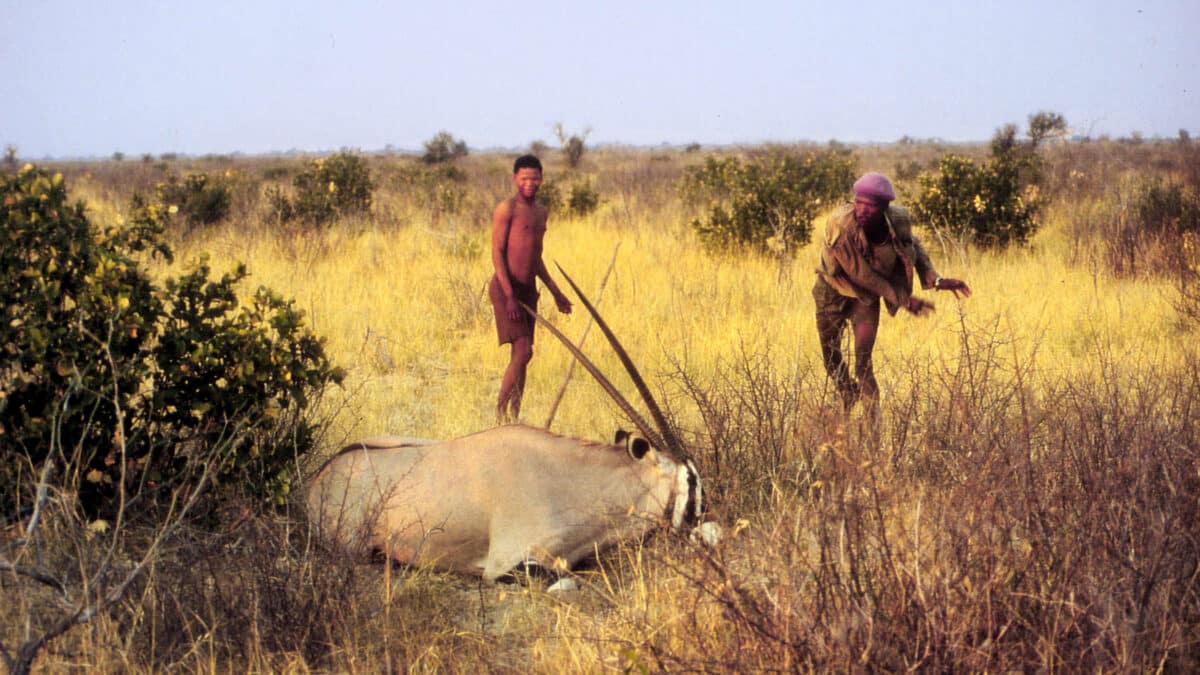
864 346
512 386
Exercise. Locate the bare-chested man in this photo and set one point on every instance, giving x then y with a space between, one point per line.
518 228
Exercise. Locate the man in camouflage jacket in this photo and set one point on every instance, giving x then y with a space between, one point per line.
869 253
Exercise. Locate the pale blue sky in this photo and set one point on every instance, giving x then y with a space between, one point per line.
217 76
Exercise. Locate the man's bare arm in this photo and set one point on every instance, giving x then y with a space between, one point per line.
501 223
560 300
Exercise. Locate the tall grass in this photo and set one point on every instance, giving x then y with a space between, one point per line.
1029 503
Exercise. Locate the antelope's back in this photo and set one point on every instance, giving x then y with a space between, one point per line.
479 503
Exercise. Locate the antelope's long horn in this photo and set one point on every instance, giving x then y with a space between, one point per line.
605 384
673 442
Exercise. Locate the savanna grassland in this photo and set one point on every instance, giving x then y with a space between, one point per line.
1031 502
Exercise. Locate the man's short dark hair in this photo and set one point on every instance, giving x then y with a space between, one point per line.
527 162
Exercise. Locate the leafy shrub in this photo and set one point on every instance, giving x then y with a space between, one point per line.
441 189
1139 225
577 194
122 383
198 199
338 185
583 199
443 148
991 203
279 208
1160 234
766 203
550 195
1163 207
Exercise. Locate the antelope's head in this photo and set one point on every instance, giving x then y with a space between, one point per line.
686 508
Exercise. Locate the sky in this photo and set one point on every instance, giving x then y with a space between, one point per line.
88 79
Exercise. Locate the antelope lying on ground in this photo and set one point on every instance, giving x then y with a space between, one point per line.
513 496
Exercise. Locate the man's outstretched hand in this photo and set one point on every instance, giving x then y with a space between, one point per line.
920 307
955 286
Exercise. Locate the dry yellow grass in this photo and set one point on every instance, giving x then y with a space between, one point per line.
405 311
842 548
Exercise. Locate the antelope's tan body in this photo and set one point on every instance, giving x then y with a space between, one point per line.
485 503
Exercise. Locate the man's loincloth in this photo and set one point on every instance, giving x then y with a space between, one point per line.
508 330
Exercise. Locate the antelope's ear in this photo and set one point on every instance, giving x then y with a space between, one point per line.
639 448
621 436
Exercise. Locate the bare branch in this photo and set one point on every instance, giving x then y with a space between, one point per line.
37 575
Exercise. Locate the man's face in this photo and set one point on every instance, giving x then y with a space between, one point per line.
528 181
868 210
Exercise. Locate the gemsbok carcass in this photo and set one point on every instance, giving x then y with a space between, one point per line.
512 497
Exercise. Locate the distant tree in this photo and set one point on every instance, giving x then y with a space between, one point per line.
1185 138
443 147
118 156
1004 140
10 157
538 148
572 146
1045 125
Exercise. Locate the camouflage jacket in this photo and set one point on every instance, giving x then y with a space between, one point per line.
845 262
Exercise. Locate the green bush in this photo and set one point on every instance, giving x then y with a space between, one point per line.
550 195
583 199
1164 207
441 189
766 203
337 185
577 194
443 148
279 208
993 203
119 382
197 199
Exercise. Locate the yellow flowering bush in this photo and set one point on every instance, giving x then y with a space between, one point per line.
197 199
992 203
121 382
337 185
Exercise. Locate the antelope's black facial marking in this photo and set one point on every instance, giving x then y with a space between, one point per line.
695 496
688 506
